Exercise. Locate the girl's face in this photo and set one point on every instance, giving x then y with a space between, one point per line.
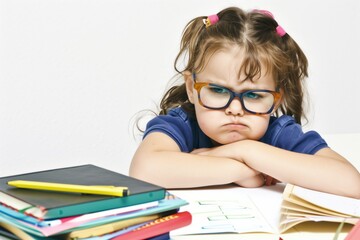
232 123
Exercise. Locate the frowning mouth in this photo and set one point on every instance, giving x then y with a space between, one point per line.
235 126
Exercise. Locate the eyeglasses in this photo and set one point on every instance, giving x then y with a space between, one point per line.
259 102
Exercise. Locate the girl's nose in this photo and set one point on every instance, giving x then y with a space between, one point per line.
235 108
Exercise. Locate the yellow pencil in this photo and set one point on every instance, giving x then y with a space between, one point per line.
61 187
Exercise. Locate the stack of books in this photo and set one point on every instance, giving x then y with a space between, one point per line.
140 211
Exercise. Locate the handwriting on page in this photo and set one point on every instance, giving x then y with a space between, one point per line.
220 216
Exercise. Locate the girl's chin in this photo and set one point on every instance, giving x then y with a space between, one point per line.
228 140
231 138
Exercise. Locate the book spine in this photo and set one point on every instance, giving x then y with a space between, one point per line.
158 226
105 204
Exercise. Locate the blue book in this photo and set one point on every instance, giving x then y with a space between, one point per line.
52 205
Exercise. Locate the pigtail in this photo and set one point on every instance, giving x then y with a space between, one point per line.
176 96
189 44
283 57
292 82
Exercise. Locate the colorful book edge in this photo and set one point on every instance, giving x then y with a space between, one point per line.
158 226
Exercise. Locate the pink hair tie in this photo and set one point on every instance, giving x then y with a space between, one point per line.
211 20
279 30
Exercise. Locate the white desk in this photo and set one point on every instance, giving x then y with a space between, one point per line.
268 200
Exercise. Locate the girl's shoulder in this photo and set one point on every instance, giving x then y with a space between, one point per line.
280 124
177 124
175 118
180 113
282 121
285 133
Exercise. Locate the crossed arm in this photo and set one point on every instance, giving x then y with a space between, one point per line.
160 161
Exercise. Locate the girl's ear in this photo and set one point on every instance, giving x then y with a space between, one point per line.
189 83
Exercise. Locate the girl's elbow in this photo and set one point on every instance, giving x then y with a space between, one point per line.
133 172
356 192
143 172
136 171
353 188
357 196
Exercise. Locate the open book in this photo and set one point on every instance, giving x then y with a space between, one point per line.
234 213
302 205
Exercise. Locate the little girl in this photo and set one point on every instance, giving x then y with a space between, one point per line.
236 118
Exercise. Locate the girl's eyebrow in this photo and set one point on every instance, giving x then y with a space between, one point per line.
243 89
216 83
213 80
253 86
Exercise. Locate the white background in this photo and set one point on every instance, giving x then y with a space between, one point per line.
73 73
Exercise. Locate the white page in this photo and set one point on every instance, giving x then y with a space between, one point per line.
224 216
337 203
233 209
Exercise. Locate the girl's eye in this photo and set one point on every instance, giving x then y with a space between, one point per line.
252 95
218 90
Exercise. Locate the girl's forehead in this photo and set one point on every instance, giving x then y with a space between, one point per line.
230 64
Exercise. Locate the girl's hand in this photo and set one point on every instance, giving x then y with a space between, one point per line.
257 181
253 182
229 151
270 180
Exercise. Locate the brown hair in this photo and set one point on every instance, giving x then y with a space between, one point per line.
256 33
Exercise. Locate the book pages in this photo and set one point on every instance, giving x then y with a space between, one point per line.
301 205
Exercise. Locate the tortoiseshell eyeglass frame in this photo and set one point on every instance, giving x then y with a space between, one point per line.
276 95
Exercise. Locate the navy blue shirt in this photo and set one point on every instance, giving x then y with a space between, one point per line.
283 132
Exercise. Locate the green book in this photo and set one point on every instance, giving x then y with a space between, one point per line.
51 205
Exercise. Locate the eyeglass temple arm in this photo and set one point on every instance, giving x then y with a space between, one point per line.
194 76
